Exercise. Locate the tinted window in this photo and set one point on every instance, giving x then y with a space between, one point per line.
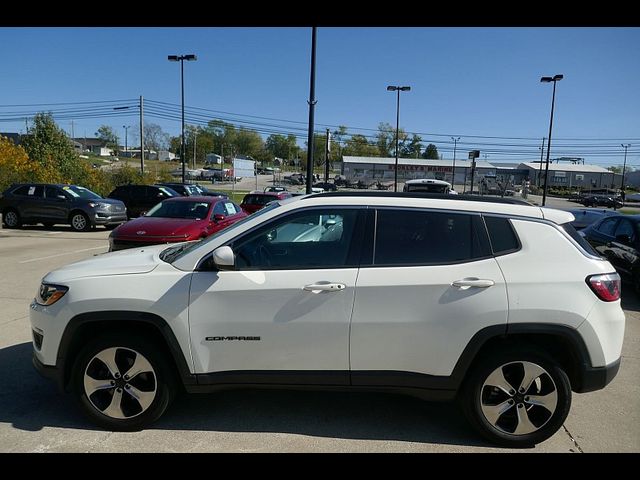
52 192
625 227
194 210
607 226
414 237
311 239
219 209
138 194
120 192
30 191
580 240
501 235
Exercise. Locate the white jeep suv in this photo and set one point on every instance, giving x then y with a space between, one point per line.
500 305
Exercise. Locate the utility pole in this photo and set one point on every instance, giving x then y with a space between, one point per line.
312 104
541 157
453 174
26 125
73 135
326 156
141 135
195 139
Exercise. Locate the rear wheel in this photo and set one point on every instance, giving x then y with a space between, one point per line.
122 382
11 218
516 398
80 222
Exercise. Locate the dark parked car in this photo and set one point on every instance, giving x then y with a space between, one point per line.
602 201
142 198
254 201
586 216
617 238
50 204
193 189
177 219
327 186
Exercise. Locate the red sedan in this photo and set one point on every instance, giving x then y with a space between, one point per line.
176 219
257 200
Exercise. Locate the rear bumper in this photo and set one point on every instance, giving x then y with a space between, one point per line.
596 378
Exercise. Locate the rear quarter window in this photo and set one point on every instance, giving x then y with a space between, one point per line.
502 236
579 239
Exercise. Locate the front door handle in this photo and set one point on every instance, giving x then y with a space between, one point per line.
324 287
473 282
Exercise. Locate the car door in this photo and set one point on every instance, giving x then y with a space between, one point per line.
600 237
624 246
282 315
56 205
31 201
426 287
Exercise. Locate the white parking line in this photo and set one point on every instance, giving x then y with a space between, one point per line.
61 254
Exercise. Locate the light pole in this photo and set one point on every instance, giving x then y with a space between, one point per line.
398 89
181 59
624 167
553 79
453 176
126 131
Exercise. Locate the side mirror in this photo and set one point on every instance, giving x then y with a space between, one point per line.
223 258
218 217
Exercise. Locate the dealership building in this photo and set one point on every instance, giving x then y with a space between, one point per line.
578 176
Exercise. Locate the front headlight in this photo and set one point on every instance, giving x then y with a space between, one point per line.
103 206
49 294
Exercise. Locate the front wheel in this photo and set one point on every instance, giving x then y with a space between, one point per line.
11 218
122 382
516 398
80 222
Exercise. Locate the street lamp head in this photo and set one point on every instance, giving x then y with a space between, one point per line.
190 58
405 89
557 77
173 58
391 88
546 79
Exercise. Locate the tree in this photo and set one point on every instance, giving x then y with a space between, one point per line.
108 136
248 142
15 166
154 138
358 146
615 169
281 146
48 145
431 152
413 148
386 140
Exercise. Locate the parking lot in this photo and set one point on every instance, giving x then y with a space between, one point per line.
34 417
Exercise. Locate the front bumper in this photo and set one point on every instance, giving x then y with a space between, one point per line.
596 378
109 218
50 372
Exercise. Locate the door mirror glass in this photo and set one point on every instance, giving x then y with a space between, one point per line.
223 258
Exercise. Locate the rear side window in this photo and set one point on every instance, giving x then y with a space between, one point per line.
579 239
415 237
30 191
502 236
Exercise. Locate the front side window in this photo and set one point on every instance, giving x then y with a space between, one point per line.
319 238
80 192
607 226
415 237
625 227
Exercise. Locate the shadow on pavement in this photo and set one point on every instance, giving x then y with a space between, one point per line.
29 402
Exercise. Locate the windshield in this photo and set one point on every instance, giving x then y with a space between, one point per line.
80 192
172 254
181 209
429 188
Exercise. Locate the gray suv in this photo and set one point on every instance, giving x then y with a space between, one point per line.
51 204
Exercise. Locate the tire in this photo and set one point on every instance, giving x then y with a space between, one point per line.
110 400
79 222
11 218
519 422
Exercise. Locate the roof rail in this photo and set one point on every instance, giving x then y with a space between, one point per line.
445 196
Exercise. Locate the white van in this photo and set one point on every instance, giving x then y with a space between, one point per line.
428 185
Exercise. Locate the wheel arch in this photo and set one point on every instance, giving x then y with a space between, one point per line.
84 326
562 343
76 210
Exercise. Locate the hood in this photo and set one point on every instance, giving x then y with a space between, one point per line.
161 227
123 262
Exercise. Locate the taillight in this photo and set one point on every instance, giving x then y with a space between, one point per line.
606 287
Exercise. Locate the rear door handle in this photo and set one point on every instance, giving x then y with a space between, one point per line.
473 282
324 287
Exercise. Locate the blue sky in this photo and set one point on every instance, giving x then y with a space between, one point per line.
465 82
